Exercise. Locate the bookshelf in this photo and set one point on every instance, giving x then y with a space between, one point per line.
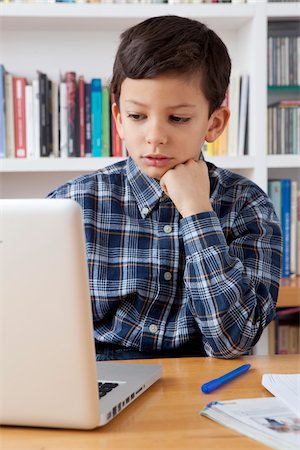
57 37
289 293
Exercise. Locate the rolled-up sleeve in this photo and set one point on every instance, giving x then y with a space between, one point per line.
232 275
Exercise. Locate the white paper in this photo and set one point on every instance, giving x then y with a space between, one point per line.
286 387
265 419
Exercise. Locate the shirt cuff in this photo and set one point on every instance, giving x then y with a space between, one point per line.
201 231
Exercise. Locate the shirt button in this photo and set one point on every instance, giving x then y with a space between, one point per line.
167 228
153 328
145 210
167 276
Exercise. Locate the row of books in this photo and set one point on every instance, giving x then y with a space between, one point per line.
71 118
283 60
284 128
234 139
285 195
284 332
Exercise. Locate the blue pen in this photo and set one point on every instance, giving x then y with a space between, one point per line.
217 382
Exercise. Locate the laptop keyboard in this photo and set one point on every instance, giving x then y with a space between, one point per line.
104 388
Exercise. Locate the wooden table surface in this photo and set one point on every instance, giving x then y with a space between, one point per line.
167 415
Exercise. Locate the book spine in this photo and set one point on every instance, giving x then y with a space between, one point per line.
105 122
63 121
88 120
81 116
71 113
49 117
274 192
293 245
29 121
43 81
96 112
243 114
36 117
19 117
2 113
9 119
286 226
298 232
55 120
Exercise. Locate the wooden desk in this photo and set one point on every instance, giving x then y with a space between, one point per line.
167 415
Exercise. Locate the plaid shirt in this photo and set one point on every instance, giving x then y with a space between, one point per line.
158 280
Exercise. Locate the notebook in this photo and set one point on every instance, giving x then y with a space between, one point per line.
49 376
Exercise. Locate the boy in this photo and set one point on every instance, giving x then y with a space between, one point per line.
184 257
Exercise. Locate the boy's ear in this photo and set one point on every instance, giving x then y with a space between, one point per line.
118 120
216 123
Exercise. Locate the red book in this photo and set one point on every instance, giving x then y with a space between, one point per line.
19 116
116 140
81 117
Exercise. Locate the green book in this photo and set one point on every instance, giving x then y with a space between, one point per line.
105 122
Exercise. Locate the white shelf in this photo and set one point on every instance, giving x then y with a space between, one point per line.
116 16
283 10
283 161
56 164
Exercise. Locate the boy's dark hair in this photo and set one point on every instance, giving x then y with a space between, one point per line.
172 44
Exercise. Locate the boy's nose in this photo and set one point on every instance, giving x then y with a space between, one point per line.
156 136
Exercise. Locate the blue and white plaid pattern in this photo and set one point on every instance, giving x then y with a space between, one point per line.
158 280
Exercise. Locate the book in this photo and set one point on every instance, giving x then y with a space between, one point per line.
19 116
43 83
298 232
81 106
29 121
63 120
88 119
267 420
36 117
70 80
243 114
9 119
293 227
2 113
55 119
96 114
286 227
286 387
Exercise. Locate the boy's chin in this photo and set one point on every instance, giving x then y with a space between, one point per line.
155 173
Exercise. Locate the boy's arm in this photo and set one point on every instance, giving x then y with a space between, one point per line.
233 287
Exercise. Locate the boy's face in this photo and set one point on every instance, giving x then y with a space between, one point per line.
164 121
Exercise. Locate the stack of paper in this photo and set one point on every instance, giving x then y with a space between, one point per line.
286 387
266 419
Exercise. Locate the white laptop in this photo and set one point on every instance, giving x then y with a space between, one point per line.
49 376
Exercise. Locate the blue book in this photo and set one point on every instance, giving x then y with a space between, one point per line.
96 113
286 227
274 192
2 113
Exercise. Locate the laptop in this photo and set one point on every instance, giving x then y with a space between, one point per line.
49 376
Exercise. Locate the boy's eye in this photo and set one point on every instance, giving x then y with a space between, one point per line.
135 116
178 119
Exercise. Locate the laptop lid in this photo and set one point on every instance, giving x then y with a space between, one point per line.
47 346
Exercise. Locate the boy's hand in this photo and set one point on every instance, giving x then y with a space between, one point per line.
188 187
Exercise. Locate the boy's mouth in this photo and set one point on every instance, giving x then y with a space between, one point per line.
157 160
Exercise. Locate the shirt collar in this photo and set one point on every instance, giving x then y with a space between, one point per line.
146 190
